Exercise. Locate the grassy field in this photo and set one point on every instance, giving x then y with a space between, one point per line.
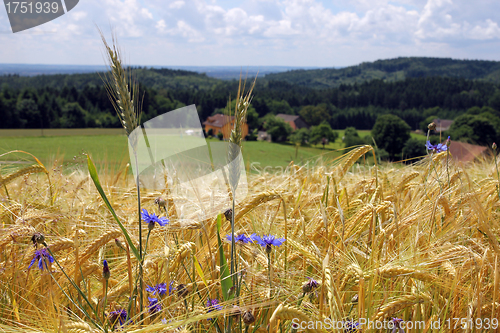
110 147
60 132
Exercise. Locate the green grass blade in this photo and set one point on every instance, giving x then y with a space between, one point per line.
200 271
225 278
95 178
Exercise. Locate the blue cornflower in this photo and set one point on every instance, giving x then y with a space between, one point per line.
351 326
239 238
429 145
213 305
440 147
154 306
151 219
42 256
396 325
268 241
118 316
161 288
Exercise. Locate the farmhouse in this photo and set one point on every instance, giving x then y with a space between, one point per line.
220 123
442 124
466 152
296 122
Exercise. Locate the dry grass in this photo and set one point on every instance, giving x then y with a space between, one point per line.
408 244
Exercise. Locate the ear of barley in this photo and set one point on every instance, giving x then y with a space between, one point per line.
78 325
13 233
256 201
22 172
305 251
407 178
286 312
399 304
122 91
394 271
354 155
181 253
85 270
98 243
240 113
444 203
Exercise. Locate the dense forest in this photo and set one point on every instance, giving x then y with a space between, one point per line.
391 70
80 100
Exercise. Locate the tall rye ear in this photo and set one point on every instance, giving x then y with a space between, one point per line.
240 114
122 89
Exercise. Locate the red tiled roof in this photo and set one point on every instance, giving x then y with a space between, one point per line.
287 117
218 120
465 152
442 124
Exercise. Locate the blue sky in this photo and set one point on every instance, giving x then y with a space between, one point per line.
321 33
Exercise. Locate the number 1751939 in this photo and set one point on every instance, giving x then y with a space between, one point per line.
478 323
25 7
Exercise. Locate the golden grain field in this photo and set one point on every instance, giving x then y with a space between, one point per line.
419 243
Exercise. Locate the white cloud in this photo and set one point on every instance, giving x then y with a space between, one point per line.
316 31
177 4
186 31
489 30
130 18
444 20
78 15
280 29
161 26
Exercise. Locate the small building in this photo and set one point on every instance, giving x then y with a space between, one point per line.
466 152
442 124
263 136
220 123
296 122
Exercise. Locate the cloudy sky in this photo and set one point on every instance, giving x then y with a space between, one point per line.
260 32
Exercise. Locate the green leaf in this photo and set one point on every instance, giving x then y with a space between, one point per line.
200 271
225 278
95 178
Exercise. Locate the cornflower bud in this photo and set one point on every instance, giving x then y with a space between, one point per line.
236 312
228 214
182 291
38 238
162 203
309 286
119 244
105 270
248 317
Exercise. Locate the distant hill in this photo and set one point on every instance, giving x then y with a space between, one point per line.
392 70
161 78
218 72
42 69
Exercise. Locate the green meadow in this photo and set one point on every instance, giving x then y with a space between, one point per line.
108 147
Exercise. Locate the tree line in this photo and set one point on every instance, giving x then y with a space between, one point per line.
81 100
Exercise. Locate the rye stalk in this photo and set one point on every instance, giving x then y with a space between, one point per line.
240 112
123 93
